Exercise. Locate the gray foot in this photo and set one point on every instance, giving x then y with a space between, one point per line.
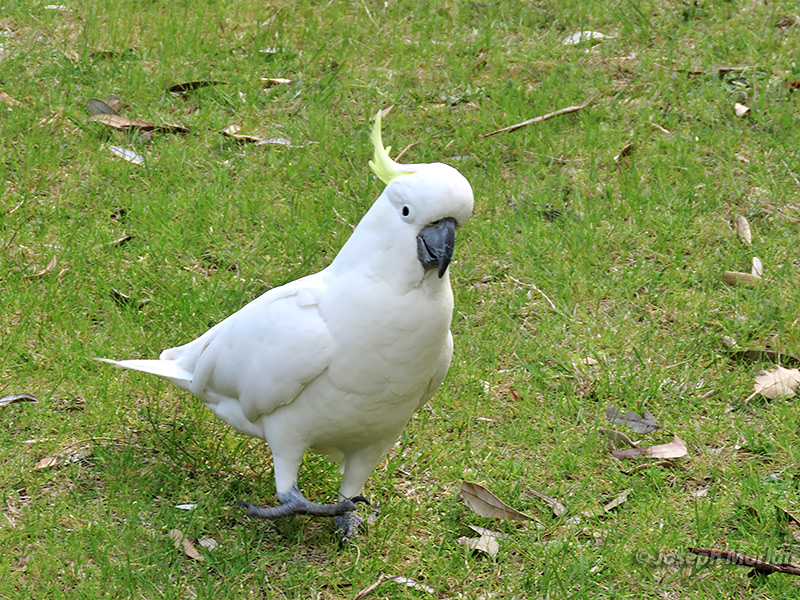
294 503
348 526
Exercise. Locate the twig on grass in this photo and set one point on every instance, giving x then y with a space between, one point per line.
759 566
536 289
404 150
555 113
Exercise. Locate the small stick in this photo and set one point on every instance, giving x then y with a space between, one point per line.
555 113
536 289
404 150
747 561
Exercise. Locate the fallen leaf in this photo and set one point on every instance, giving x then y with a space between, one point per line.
128 155
45 463
193 85
95 106
208 543
618 501
777 383
181 541
485 504
743 230
44 271
640 424
171 128
674 449
559 509
121 122
486 543
114 102
65 456
6 400
590 37
488 532
758 268
740 110
737 278
186 506
754 355
232 131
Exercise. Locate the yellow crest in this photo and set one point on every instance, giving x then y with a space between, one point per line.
382 164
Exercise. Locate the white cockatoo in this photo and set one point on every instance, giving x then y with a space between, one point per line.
338 361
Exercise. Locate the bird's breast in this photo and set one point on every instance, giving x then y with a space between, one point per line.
387 344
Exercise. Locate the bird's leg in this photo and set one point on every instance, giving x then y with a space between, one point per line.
294 503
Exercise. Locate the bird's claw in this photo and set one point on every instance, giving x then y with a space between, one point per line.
294 503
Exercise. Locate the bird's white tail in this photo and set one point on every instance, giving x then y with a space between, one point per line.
163 368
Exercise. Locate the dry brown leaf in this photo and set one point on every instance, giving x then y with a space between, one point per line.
232 131
674 449
758 268
743 230
95 106
618 501
489 532
737 278
181 541
208 543
754 355
114 102
487 544
777 383
171 128
640 424
121 122
67 455
6 400
485 504
45 463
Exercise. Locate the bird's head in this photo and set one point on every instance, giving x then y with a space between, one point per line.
429 201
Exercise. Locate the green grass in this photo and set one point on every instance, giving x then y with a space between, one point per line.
632 264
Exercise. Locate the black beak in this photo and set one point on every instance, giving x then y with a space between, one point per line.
435 245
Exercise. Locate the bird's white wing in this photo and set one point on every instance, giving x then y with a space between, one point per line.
263 355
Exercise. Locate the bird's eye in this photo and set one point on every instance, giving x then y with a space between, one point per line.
406 211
